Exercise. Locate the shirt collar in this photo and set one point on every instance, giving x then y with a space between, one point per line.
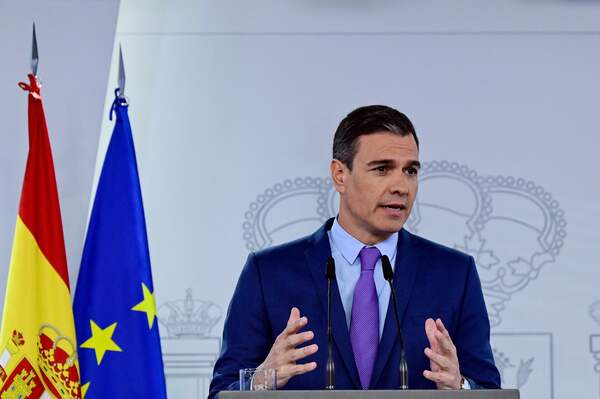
350 247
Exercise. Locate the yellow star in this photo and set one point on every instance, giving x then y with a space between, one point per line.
101 340
84 389
147 305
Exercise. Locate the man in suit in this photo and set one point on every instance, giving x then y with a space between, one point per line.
277 317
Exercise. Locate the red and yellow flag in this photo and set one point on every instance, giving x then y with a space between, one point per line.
38 352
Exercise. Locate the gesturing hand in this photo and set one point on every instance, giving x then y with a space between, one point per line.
445 371
284 354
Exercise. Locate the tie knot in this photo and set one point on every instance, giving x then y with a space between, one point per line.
368 258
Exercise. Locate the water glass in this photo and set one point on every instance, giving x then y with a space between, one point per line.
254 379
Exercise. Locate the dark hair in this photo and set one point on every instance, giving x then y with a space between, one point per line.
368 120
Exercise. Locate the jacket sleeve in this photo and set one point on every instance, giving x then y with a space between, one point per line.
472 336
247 335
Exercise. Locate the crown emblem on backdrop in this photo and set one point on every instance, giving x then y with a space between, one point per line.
476 219
189 316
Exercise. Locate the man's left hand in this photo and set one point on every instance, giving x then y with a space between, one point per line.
445 371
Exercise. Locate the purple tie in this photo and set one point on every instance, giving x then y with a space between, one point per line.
364 324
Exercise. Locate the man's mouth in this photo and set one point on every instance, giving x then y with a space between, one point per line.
396 207
395 210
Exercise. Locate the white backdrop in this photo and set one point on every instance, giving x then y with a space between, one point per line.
234 105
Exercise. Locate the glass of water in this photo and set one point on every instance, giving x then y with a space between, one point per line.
258 379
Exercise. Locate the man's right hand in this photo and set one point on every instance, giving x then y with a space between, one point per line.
284 354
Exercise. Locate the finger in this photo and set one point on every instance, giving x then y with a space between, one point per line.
434 366
290 370
282 339
440 360
294 326
433 376
445 343
441 378
296 339
430 329
301 353
298 369
294 315
440 325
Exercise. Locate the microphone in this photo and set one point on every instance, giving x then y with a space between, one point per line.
330 368
388 274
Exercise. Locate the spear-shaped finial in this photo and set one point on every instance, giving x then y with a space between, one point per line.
121 74
34 53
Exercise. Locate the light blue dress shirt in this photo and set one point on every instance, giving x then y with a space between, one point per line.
345 250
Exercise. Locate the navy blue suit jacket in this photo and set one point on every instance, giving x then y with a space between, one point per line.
430 280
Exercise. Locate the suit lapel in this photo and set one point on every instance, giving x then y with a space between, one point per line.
405 271
316 256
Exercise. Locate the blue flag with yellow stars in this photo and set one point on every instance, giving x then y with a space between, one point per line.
115 312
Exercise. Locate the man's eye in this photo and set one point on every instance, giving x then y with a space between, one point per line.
411 171
381 169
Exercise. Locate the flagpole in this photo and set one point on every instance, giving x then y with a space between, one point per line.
34 53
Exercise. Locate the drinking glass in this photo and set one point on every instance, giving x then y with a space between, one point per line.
254 379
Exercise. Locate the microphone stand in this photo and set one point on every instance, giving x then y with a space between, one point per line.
388 274
330 368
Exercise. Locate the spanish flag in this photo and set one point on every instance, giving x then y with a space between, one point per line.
38 351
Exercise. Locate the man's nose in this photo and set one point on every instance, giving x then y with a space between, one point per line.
399 184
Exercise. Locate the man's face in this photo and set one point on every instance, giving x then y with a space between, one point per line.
377 195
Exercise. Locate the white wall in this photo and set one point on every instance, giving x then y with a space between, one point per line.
233 107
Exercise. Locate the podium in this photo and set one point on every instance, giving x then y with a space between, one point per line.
409 394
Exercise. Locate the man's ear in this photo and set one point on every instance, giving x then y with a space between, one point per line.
339 174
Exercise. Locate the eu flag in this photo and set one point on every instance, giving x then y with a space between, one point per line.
115 312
